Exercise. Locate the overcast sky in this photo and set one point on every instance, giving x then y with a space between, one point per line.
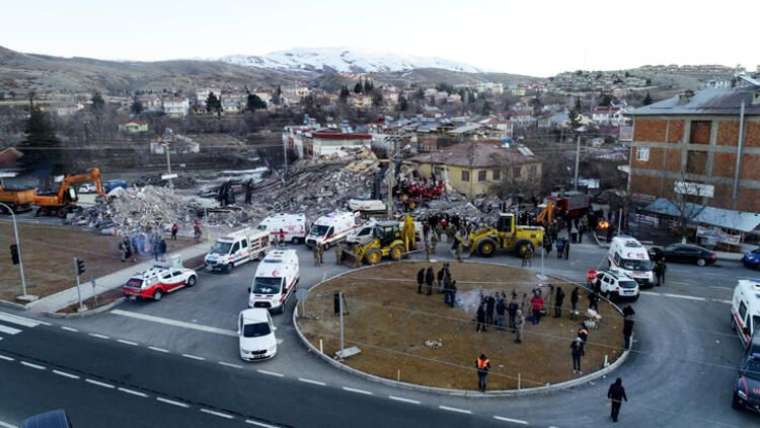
535 37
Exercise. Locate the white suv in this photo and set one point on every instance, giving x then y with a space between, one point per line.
618 285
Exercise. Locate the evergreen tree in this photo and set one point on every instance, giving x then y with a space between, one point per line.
578 106
403 104
377 99
213 104
486 109
368 86
344 93
647 99
98 103
41 147
358 88
419 94
254 102
136 108
605 100
277 96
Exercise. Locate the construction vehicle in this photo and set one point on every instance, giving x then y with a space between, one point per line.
389 239
507 236
63 201
545 217
17 200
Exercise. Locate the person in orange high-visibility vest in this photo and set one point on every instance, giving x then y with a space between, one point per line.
483 365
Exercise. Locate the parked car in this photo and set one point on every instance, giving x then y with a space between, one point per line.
617 285
751 259
747 387
685 253
159 281
256 335
51 419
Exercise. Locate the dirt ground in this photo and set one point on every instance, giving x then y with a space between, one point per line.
48 253
94 302
390 322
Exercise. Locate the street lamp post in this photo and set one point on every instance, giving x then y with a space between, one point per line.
23 296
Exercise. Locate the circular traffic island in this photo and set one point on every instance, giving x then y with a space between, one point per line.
414 338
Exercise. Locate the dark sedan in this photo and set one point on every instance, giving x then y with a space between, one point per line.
685 253
747 388
752 259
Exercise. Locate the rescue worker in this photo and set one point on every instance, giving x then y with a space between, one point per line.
659 271
480 318
616 394
483 365
627 331
576 351
281 237
519 324
490 306
456 247
315 251
420 280
175 229
433 242
501 310
429 278
320 253
593 301
453 293
567 250
574 296
559 299
512 309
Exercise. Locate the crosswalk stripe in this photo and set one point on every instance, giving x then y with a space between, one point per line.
9 330
24 322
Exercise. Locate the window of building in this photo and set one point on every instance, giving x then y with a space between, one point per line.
516 172
482 175
533 172
696 162
700 132
465 175
496 175
642 154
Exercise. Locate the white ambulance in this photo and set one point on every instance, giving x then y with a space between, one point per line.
275 281
745 309
237 248
293 225
628 256
331 229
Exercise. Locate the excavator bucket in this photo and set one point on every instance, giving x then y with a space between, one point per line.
352 255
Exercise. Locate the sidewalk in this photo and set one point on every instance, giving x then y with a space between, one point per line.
722 255
66 297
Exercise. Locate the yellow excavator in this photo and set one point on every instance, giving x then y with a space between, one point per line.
389 239
63 201
507 236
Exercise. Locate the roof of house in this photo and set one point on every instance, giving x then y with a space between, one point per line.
729 219
712 101
328 135
476 154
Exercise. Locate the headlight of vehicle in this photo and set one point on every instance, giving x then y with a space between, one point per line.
272 348
741 394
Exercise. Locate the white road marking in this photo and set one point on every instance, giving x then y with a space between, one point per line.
132 392
7 425
358 391
153 348
175 323
127 342
215 413
9 330
99 383
728 302
684 297
172 402
71 329
267 372
234 366
64 374
313 382
32 365
403 400
193 357
25 322
260 424
514 421
3 357
455 409
99 336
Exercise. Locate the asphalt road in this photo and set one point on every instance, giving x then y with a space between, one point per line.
680 373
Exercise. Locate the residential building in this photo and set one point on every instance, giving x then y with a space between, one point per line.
133 127
150 102
176 106
700 147
473 168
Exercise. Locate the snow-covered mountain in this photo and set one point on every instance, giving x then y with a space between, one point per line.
344 60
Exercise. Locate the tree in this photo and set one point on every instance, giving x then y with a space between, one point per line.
486 108
368 86
358 88
41 148
213 104
403 104
136 108
254 102
344 94
419 94
537 105
578 107
605 100
98 103
277 96
377 99
647 99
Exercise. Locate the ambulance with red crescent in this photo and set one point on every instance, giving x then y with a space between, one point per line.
275 281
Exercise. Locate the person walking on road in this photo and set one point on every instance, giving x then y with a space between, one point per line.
616 395
420 280
559 299
593 300
480 318
576 351
429 278
452 293
566 252
315 251
574 296
519 324
536 305
483 365
659 271
627 331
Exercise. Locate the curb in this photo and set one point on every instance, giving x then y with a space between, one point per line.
86 313
449 391
14 305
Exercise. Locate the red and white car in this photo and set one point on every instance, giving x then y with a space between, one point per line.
159 281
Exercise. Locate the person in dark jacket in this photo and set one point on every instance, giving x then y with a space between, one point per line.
574 296
616 394
593 301
429 278
512 311
490 306
501 310
627 331
659 271
480 317
559 299
453 293
628 311
420 280
576 351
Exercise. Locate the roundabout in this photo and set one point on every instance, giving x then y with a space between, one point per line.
415 340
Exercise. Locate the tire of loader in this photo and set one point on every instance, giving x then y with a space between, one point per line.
374 256
397 252
486 248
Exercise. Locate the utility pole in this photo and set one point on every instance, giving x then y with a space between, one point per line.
166 143
79 292
577 161
285 159
391 174
340 304
23 296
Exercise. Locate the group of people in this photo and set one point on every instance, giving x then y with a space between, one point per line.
154 244
454 227
427 279
496 311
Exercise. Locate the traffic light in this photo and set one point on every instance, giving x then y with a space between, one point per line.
80 266
14 254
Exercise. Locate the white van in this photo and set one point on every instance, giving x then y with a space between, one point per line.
294 226
331 229
745 309
237 248
275 280
629 257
